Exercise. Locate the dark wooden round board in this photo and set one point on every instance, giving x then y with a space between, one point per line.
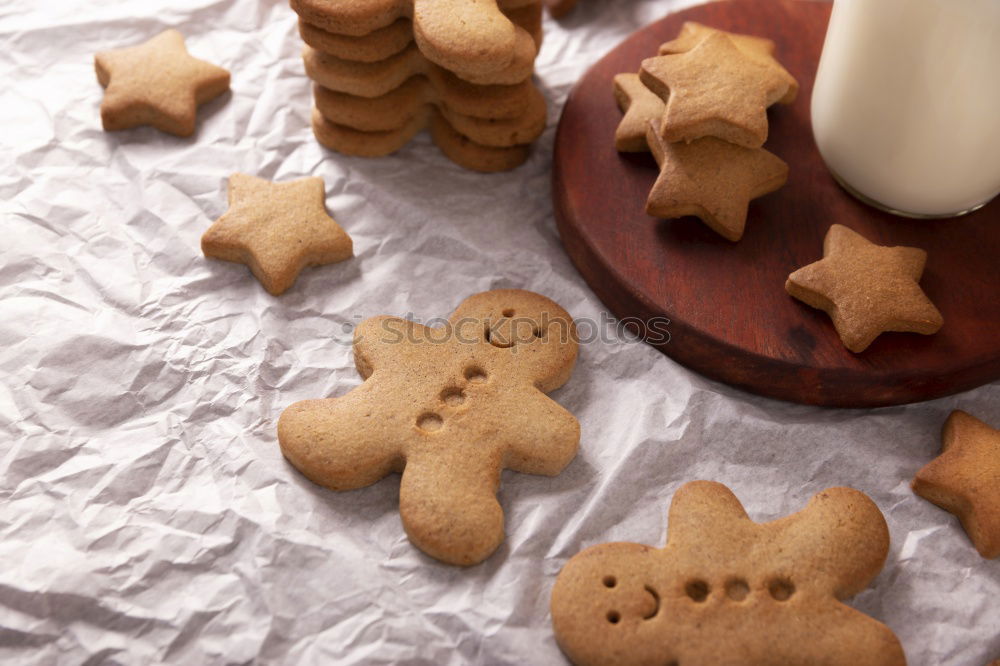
729 315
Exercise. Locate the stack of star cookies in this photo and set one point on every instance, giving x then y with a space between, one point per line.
386 69
700 107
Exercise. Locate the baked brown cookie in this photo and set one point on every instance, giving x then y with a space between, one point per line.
449 408
396 111
473 37
726 591
457 147
393 38
156 83
640 106
867 289
276 229
716 89
965 479
711 179
693 33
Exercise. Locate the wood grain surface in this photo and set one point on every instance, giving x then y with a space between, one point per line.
729 315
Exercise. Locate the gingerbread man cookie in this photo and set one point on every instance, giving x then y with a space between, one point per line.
156 83
449 408
726 591
965 479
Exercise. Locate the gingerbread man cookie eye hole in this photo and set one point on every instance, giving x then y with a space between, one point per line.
646 609
513 329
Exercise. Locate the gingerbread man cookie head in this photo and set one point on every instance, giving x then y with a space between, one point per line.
726 590
524 325
449 406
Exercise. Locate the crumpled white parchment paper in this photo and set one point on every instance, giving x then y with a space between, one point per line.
146 514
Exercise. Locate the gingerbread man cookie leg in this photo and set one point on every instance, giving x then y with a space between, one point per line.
448 503
726 590
451 407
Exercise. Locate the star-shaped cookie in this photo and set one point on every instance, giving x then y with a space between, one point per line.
716 89
156 83
965 479
867 289
276 229
640 106
693 33
711 179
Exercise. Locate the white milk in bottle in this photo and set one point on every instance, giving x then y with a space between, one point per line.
906 105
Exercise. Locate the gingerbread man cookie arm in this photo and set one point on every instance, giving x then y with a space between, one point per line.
540 436
854 543
334 447
448 503
379 341
696 502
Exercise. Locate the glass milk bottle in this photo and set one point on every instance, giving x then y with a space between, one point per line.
906 105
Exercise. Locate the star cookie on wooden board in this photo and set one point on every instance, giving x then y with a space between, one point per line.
156 83
716 89
965 479
711 179
867 289
640 106
276 229
693 33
